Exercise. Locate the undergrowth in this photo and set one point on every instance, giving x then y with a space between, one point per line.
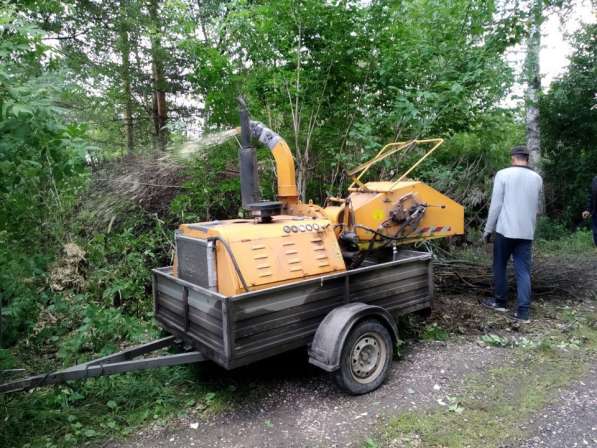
110 407
107 309
568 245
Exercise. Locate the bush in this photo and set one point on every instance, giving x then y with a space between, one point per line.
570 244
550 230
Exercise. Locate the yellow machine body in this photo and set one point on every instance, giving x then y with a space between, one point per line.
268 254
371 208
397 212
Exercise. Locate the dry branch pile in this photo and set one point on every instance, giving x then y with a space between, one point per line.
148 181
550 278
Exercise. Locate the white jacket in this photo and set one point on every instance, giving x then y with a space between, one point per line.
515 202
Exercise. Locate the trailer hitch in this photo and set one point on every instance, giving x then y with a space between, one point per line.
120 362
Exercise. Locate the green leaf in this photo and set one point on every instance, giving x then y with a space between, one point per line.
18 109
89 433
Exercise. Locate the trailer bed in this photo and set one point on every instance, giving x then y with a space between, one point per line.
238 330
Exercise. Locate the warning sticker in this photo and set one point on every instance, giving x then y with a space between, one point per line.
378 215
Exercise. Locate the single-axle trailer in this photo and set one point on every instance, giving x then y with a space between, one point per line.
346 319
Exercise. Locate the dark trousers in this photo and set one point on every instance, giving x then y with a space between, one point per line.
520 251
594 230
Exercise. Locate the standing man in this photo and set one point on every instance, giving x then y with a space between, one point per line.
592 209
515 202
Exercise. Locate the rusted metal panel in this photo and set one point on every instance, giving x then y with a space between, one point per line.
191 312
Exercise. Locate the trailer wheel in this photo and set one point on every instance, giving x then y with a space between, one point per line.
366 358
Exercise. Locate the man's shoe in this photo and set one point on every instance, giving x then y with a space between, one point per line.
522 319
493 305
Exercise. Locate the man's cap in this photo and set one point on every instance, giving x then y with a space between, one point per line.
520 151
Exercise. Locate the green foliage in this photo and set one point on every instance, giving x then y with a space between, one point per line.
41 170
399 348
107 50
101 332
120 262
434 332
340 80
370 443
569 245
569 131
41 158
111 407
550 230
494 340
212 192
22 281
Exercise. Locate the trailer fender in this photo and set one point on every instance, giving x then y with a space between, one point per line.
326 348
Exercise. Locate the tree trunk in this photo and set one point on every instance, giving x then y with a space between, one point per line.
160 113
125 49
533 78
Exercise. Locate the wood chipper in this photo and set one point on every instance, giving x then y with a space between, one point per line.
295 274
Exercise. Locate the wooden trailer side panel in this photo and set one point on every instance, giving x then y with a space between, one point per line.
192 313
284 319
400 290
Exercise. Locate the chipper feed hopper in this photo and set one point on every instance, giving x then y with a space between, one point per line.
293 275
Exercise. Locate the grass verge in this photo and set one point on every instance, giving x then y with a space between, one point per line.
106 408
492 406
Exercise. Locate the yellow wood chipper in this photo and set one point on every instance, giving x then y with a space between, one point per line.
288 240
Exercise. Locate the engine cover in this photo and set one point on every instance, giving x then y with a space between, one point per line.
284 250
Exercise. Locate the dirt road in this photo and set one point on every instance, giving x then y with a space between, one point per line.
571 421
306 409
296 405
292 404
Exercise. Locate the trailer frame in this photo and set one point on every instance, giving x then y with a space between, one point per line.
120 362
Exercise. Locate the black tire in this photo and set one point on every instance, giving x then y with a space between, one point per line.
366 358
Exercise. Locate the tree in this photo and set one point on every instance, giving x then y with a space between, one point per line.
533 79
160 110
123 57
538 10
569 131
125 50
339 80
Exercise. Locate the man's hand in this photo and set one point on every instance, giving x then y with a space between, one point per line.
487 237
586 214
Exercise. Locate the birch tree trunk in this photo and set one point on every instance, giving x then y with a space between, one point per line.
533 78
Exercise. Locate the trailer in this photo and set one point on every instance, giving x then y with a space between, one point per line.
347 320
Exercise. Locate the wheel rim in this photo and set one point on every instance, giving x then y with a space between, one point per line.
367 358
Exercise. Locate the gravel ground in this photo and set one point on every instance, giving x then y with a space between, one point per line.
297 405
572 419
306 410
